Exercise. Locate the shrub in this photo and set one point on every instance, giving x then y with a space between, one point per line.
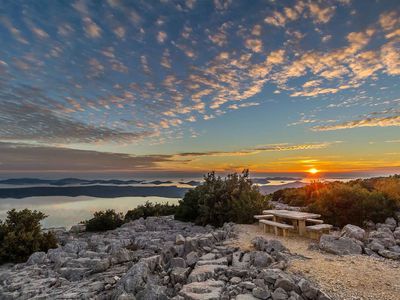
21 235
104 220
218 200
150 210
353 202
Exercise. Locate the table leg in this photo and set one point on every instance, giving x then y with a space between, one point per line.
302 227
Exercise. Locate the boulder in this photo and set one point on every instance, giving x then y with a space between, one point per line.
279 294
78 228
396 233
245 297
339 245
122 255
135 279
36 258
384 238
260 259
179 239
389 254
248 285
202 273
207 290
179 275
152 292
235 280
353 231
262 244
73 274
391 223
177 262
286 283
261 293
219 261
192 258
374 245
307 289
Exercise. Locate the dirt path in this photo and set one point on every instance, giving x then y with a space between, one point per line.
342 277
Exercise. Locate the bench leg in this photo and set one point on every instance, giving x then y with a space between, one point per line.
302 227
284 232
276 230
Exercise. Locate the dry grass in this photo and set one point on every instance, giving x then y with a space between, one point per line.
342 277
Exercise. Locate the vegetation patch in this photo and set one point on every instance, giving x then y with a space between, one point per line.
21 235
218 200
352 202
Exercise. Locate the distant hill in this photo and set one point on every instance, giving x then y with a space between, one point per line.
268 189
65 181
100 191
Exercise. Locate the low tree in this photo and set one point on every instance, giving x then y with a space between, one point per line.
149 210
218 200
104 220
21 235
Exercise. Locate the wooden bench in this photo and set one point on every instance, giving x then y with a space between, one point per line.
315 231
315 221
276 227
263 217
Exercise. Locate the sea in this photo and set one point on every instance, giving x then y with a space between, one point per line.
65 211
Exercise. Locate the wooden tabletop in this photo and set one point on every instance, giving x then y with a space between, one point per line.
289 214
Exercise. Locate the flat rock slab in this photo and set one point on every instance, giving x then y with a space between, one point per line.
219 261
206 290
202 273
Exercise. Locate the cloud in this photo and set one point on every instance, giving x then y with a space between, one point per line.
319 13
389 20
222 4
254 44
30 122
26 157
368 122
161 36
92 30
277 19
264 148
248 104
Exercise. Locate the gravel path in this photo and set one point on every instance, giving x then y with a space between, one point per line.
342 277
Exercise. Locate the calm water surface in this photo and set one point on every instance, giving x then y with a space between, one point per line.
67 211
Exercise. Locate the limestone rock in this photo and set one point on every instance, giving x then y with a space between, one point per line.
207 290
78 228
36 258
261 259
261 293
339 245
353 231
279 294
202 273
179 240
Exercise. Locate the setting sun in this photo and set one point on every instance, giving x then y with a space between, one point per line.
313 171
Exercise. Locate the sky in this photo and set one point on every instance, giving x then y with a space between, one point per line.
199 85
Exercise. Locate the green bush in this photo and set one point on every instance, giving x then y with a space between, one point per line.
21 235
150 210
104 220
352 202
218 200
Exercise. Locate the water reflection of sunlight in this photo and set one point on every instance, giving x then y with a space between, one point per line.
67 211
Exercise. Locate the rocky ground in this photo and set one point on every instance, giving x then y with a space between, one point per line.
158 258
342 277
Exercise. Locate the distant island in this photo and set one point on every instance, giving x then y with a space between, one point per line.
100 191
67 181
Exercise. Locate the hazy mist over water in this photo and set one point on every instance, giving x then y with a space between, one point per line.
67 211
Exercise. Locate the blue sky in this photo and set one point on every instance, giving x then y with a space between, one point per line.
274 86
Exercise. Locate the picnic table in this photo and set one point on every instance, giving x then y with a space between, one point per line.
297 218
